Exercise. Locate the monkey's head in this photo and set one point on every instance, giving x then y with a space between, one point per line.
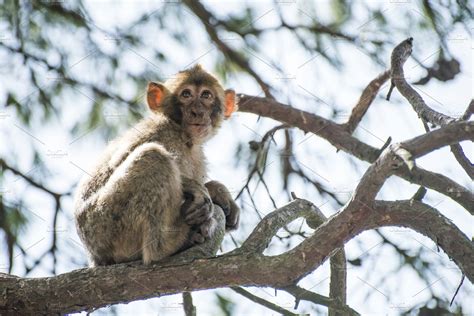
193 99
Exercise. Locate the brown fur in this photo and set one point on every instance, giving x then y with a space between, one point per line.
131 207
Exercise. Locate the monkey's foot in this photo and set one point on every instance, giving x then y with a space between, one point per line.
203 232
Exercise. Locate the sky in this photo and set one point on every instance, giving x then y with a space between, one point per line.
306 79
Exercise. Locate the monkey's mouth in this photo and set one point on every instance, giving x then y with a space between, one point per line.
198 128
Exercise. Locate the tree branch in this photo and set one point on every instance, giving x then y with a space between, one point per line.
33 182
100 286
267 228
462 159
308 122
207 19
400 55
261 301
341 139
189 308
365 100
302 294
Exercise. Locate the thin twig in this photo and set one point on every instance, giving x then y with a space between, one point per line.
365 100
457 290
188 306
400 55
263 302
303 294
462 159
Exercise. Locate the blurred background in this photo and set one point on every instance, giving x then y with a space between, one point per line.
73 76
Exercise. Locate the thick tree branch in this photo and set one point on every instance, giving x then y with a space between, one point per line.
308 122
268 227
446 135
341 139
96 287
428 221
405 153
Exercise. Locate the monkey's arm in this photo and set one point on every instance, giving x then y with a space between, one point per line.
220 195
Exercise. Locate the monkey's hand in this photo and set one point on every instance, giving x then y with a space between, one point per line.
197 208
221 196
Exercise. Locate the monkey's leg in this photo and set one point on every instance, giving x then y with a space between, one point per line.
142 201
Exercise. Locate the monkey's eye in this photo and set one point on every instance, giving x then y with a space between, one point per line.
206 94
186 93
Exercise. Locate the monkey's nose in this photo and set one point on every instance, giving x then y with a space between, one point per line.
196 113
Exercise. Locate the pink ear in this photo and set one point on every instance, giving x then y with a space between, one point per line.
230 103
155 94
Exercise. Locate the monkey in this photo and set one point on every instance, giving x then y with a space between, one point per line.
147 198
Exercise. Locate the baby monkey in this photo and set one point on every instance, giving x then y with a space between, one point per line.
147 197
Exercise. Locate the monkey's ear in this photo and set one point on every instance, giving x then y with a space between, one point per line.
156 93
230 105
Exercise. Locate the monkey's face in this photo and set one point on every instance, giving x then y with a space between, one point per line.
195 100
200 110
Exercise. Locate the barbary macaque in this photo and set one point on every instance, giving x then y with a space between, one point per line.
147 198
